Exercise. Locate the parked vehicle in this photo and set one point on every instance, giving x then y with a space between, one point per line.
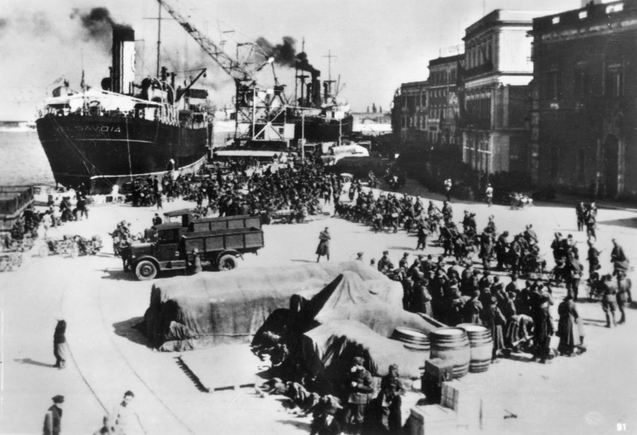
220 242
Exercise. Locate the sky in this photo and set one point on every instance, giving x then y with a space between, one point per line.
376 44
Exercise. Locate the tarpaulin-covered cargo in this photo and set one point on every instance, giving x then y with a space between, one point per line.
208 308
328 351
375 303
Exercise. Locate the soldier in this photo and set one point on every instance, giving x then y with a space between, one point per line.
448 185
489 194
358 391
157 220
618 258
60 348
53 417
624 295
196 265
593 258
580 211
609 300
323 248
390 400
384 264
422 237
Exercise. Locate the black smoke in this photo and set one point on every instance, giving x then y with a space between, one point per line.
303 64
98 25
285 54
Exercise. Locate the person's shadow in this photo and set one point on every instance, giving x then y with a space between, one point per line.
34 363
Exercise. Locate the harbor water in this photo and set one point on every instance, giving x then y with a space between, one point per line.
23 161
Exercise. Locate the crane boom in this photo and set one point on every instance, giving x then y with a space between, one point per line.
239 71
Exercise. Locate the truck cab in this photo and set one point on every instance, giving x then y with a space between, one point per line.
163 254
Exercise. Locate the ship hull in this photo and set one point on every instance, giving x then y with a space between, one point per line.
317 129
100 151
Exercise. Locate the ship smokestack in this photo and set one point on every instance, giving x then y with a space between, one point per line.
123 59
316 88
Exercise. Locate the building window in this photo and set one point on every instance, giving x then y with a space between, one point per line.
581 83
615 81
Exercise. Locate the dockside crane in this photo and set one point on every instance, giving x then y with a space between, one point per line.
257 107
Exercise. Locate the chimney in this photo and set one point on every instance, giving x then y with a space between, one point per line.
123 59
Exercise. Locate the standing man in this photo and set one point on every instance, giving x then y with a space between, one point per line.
60 348
624 286
323 248
580 211
53 417
593 259
121 419
196 266
448 185
489 193
390 400
384 264
609 300
618 258
358 394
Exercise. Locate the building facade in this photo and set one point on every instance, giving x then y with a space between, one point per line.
496 97
443 109
585 75
409 112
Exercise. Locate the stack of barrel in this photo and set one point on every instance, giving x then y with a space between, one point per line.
467 346
411 338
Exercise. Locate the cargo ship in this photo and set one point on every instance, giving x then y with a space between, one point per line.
98 138
319 116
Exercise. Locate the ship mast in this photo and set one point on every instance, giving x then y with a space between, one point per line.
158 36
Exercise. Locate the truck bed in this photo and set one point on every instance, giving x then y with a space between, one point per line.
242 240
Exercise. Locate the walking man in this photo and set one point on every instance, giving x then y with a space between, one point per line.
122 418
323 248
53 417
60 348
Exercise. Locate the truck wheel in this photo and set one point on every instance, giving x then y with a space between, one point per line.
227 262
145 270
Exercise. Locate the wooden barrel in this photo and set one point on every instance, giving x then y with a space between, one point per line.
452 344
412 339
481 346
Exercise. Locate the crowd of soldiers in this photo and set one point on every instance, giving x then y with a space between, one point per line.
238 189
517 314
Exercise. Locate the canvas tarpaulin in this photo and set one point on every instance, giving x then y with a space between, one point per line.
375 303
328 350
208 308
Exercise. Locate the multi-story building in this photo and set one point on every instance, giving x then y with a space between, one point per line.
498 68
409 111
585 125
443 102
